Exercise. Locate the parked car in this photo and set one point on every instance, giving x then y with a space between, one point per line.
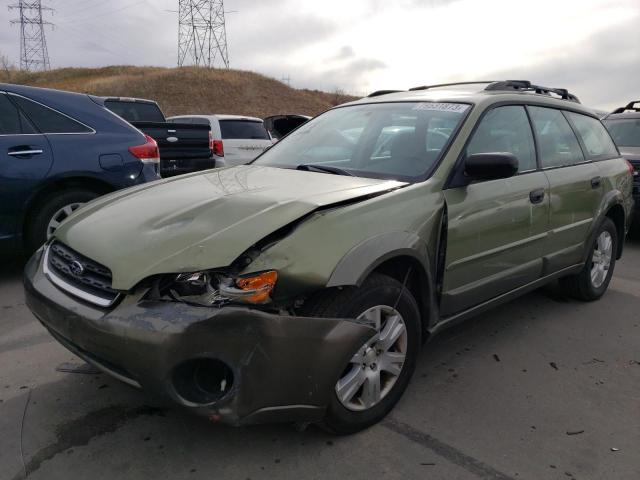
58 151
301 286
236 139
624 126
184 147
281 125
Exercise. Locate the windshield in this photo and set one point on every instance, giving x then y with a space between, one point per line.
400 141
625 132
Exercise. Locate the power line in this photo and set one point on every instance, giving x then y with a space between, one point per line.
33 43
202 33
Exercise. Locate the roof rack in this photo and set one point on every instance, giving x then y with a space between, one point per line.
427 87
630 106
527 86
377 93
513 85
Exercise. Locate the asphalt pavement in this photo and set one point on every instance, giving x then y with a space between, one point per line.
541 388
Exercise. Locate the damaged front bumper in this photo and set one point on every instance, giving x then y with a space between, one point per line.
277 367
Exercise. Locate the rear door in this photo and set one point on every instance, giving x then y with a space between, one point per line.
25 159
496 228
244 140
575 183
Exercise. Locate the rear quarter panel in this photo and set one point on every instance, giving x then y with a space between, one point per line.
617 186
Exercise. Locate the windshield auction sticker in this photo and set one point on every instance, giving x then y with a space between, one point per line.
442 107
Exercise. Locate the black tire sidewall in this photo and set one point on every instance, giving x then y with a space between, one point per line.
340 419
39 221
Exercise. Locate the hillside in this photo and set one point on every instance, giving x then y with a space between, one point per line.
187 90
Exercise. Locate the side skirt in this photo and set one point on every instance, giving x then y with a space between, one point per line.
447 322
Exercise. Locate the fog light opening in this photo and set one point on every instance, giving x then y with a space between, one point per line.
202 381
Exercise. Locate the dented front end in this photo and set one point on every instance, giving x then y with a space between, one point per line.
231 363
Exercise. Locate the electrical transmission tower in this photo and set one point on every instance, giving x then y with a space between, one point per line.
33 44
202 34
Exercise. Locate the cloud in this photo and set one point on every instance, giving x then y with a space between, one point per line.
603 71
590 46
345 52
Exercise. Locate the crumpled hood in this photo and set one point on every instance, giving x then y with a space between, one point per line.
203 220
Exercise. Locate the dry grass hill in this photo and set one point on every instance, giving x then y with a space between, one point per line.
187 90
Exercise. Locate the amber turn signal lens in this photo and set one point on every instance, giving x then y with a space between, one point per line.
260 286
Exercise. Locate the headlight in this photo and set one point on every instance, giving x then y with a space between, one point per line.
210 288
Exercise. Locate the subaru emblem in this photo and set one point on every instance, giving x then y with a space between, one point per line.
76 268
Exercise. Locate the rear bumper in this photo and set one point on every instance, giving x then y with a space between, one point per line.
284 367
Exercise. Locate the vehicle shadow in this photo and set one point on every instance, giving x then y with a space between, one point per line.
11 267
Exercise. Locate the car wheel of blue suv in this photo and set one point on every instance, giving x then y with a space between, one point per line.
52 211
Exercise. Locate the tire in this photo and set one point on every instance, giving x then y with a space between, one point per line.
584 286
377 293
53 205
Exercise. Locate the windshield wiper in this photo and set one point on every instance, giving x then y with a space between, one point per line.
310 167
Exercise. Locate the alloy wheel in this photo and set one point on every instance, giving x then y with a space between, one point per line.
61 215
376 366
601 259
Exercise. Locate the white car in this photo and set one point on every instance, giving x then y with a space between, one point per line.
235 140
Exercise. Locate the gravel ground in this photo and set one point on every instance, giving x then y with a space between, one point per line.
542 388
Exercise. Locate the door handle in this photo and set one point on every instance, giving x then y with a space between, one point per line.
595 182
25 151
536 196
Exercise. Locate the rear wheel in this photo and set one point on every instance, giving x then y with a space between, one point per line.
51 212
377 374
591 283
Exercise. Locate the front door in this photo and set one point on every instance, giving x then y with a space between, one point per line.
496 228
25 158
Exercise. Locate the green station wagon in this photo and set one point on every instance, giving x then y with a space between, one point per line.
301 287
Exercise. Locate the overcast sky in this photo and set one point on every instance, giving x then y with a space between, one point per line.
591 47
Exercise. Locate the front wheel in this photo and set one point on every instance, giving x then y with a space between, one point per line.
591 283
51 212
377 374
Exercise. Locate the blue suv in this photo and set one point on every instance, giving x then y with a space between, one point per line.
59 150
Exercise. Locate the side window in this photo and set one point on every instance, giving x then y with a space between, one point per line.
506 130
557 144
596 139
47 120
12 122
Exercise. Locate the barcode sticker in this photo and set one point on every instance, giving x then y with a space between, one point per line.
442 107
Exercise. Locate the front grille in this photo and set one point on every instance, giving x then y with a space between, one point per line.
79 275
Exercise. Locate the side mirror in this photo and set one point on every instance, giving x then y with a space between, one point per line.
490 166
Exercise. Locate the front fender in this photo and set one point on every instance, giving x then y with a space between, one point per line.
362 259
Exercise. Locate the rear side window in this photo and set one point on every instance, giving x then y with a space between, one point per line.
557 144
243 129
506 130
47 120
12 121
135 111
594 136
625 132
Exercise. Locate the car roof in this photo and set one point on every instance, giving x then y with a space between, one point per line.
476 93
221 117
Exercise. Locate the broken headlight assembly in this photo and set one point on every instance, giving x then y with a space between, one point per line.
209 288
